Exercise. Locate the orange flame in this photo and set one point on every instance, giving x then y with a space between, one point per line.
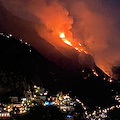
62 36
67 42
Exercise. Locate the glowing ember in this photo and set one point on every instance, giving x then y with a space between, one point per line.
76 48
85 52
80 44
67 42
62 35
110 80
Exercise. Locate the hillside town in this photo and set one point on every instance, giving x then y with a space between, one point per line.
71 108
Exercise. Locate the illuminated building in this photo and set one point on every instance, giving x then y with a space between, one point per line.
4 114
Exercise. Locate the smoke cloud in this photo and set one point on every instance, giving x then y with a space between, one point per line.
93 23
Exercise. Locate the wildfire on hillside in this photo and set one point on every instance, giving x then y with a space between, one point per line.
79 48
68 21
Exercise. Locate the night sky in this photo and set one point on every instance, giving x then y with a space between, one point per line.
93 23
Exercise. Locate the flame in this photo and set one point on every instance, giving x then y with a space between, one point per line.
79 48
80 44
76 48
110 80
67 42
62 35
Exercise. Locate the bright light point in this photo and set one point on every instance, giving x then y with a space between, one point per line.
68 116
67 42
80 44
76 48
85 52
1 33
62 35
110 80
10 35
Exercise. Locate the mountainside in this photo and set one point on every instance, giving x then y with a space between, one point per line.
26 30
21 65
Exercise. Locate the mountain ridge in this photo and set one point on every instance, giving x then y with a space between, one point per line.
20 59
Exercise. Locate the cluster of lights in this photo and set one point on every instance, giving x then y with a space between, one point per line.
96 114
4 115
100 113
24 105
39 91
110 80
60 101
117 97
82 104
95 73
10 35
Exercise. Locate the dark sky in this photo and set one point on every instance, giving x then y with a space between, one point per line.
93 23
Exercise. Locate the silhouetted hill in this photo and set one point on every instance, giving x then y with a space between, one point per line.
21 65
